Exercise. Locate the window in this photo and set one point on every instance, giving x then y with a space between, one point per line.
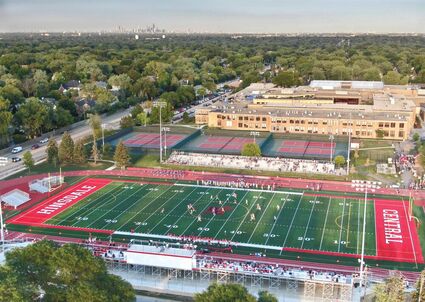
387 125
257 118
401 133
240 125
401 125
264 119
392 125
381 125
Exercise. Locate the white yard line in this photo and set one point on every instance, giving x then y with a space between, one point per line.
212 218
261 217
243 220
171 211
138 212
89 202
277 218
206 207
324 225
290 226
112 200
340 229
234 211
309 219
181 216
146 206
123 201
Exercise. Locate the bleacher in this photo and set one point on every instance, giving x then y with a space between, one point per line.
15 198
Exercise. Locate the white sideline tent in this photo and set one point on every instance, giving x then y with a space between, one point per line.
15 198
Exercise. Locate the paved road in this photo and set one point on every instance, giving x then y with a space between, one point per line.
83 130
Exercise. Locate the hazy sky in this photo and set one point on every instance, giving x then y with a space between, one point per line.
273 16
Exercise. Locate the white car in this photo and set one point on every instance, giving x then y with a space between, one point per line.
17 149
44 140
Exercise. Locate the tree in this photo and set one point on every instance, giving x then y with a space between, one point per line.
32 116
122 81
28 160
339 160
391 290
394 78
416 137
121 156
225 293
5 119
419 293
126 122
45 267
265 296
79 152
95 152
52 152
95 123
251 149
142 118
286 79
186 118
66 149
379 133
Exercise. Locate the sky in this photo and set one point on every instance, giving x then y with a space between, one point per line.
220 16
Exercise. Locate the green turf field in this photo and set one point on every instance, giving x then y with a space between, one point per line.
286 219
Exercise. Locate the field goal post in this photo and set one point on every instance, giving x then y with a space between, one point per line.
47 184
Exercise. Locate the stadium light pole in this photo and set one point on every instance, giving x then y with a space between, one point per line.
254 134
165 129
331 137
362 185
103 138
1 226
160 105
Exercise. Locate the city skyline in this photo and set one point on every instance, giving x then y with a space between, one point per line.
267 16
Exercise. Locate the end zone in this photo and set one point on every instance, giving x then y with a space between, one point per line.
396 235
56 204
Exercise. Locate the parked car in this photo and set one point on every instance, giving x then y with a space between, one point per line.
17 149
35 146
16 159
44 140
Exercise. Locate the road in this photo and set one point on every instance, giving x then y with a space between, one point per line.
82 130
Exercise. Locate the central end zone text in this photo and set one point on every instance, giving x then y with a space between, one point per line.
58 203
396 235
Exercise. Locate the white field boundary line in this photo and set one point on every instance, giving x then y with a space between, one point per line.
91 201
292 222
218 232
277 218
198 199
166 237
132 217
168 212
246 216
410 232
324 225
261 217
341 226
212 218
240 189
118 204
309 219
206 207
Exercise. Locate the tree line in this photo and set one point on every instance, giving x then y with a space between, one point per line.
118 71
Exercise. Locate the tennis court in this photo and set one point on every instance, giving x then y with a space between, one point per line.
305 148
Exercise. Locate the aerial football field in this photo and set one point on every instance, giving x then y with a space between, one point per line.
280 221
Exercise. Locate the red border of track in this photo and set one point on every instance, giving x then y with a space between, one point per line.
38 215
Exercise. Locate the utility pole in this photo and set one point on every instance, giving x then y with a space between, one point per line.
160 104
103 138
331 137
1 227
